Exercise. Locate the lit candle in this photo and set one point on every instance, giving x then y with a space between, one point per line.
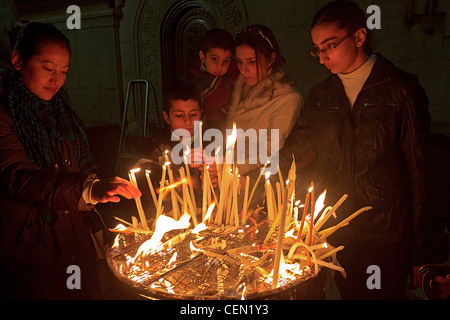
212 189
205 190
162 183
280 176
235 198
305 208
187 201
313 202
218 166
311 224
256 183
138 199
245 208
200 135
278 250
166 157
188 174
279 198
161 194
223 197
296 214
269 198
226 177
230 197
231 140
329 213
150 185
173 195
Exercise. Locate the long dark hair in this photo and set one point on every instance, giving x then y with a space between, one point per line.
29 38
262 40
347 15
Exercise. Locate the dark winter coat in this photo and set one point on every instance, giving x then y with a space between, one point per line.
376 152
35 256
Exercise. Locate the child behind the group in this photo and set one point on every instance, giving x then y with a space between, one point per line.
181 108
215 75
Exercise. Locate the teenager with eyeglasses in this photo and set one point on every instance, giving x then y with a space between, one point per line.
367 126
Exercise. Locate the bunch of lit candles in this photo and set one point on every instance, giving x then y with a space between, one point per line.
281 207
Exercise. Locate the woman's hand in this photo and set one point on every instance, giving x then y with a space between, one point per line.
108 190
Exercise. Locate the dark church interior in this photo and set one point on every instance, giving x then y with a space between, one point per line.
127 52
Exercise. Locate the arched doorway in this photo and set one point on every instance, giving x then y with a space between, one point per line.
168 34
182 30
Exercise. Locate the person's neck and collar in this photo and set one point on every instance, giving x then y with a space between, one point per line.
353 81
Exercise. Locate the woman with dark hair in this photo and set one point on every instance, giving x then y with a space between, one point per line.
368 127
264 95
47 176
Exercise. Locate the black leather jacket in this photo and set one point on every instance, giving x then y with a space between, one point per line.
376 152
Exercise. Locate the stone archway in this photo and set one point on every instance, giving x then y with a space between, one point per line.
167 34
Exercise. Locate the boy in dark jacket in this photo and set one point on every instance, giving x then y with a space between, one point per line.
181 110
367 125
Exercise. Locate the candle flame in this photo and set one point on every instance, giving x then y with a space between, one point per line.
267 174
188 150
172 259
231 139
319 203
135 170
162 225
116 241
202 226
193 249
164 190
120 227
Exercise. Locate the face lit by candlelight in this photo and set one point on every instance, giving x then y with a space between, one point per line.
45 72
252 65
182 114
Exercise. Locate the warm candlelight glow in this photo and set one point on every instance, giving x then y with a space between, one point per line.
216 257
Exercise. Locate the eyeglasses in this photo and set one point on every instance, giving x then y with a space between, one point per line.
256 31
315 52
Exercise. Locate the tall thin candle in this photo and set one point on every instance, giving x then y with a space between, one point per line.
139 207
245 208
150 185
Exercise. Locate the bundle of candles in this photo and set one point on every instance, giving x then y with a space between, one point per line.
229 253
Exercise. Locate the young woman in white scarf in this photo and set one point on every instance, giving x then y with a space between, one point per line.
264 96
